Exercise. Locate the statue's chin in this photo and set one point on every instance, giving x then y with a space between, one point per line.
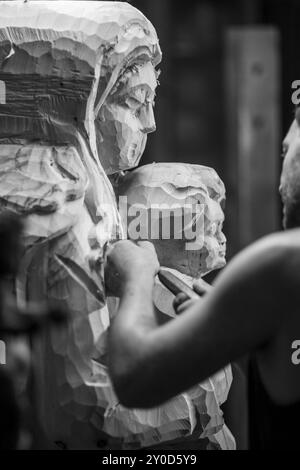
123 165
219 263
203 269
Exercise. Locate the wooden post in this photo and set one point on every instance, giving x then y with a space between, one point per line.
2 92
253 130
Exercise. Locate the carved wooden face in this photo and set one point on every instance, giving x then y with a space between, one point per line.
213 253
169 185
209 253
126 118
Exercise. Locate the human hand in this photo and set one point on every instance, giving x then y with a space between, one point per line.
129 262
182 302
201 287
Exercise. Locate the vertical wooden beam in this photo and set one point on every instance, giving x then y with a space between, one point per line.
252 86
2 92
2 353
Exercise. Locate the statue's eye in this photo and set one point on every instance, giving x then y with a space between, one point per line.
284 150
134 68
133 103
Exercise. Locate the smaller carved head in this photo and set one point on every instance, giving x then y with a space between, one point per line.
179 208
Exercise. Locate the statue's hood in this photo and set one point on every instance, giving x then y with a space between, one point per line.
93 24
65 52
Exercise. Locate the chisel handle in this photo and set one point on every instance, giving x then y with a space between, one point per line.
176 285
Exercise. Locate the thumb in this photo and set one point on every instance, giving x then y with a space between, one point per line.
180 299
201 287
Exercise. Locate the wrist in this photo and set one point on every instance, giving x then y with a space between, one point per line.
142 282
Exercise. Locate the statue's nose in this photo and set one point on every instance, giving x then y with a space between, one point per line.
222 238
147 119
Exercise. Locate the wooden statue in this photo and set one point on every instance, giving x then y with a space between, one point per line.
77 87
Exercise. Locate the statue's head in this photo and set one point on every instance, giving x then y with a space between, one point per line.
77 85
79 66
179 208
126 117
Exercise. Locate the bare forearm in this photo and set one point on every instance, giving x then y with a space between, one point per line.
240 315
243 313
128 333
136 307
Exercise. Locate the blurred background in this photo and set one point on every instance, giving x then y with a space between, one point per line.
225 99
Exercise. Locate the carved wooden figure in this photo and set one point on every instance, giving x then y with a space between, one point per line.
161 194
77 82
